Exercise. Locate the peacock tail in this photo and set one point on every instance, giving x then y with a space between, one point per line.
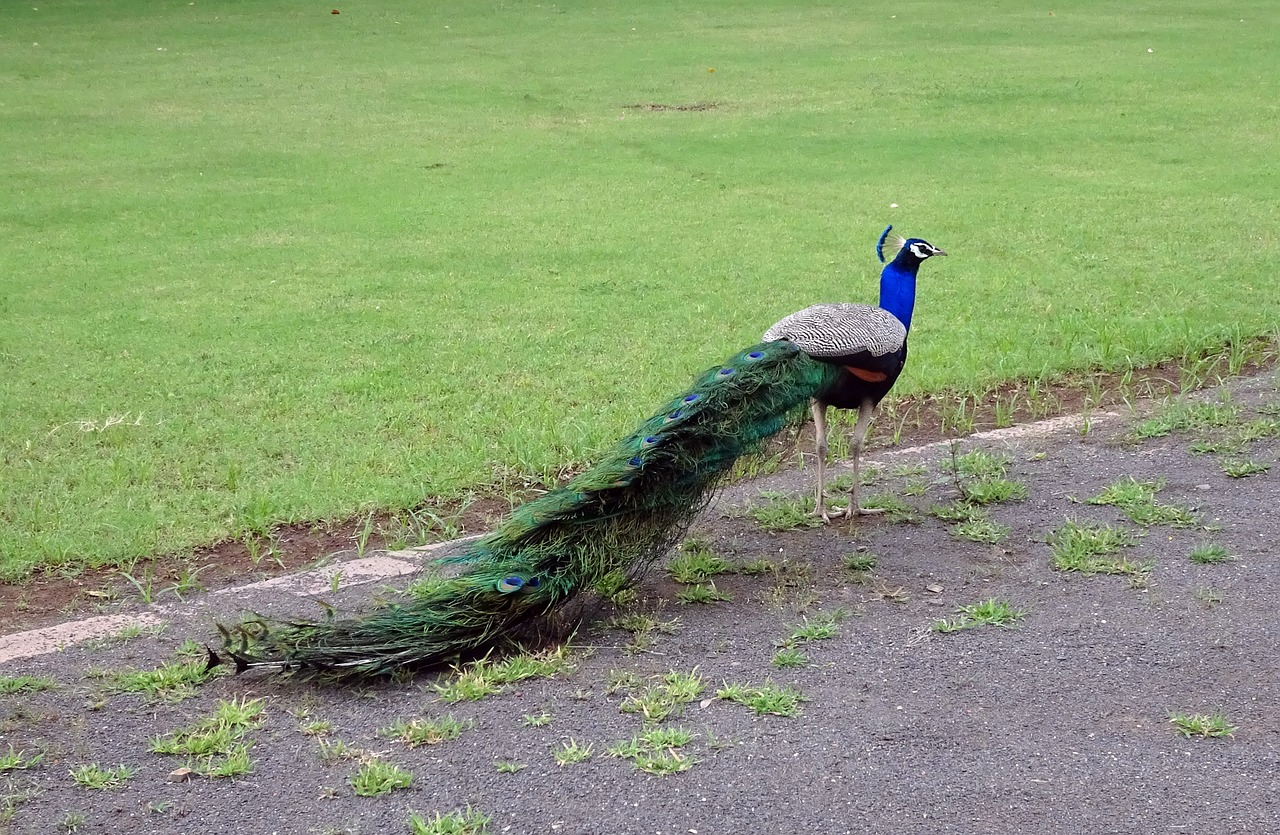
605 526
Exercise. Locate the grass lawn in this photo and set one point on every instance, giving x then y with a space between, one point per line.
263 263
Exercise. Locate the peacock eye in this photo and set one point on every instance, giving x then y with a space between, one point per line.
755 355
725 372
507 585
693 398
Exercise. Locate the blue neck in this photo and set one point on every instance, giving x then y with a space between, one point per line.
898 288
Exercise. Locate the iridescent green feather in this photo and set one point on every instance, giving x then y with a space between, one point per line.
615 518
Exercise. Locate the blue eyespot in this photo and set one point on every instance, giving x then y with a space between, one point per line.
651 440
636 462
755 355
532 583
676 415
693 398
507 585
725 372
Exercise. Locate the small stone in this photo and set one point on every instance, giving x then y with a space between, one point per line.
1204 487
935 601
935 588
180 775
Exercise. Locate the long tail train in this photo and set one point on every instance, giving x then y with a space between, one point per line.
614 519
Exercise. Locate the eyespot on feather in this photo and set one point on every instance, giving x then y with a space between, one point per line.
507 585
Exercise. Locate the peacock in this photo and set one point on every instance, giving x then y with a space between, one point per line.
868 346
604 527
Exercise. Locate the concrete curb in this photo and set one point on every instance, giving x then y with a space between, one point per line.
391 564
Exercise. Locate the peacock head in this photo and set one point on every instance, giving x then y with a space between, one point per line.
904 251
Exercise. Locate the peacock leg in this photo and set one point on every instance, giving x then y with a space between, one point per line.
865 411
820 443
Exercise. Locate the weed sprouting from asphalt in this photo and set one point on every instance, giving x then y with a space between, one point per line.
1089 548
468 821
666 698
702 593
859 562
1138 500
789 657
819 627
784 513
509 766
1180 416
336 750
764 699
25 684
94 776
536 720
171 682
1202 725
696 563
377 777
1243 468
657 751
981 528
426 731
484 678
571 751
895 509
1209 554
17 760
990 612
215 745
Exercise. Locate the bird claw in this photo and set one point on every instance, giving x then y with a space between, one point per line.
827 515
869 511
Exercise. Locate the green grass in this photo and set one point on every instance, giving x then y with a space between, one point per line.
10 685
818 628
1202 725
405 262
780 512
1091 548
94 776
465 822
572 752
657 751
990 612
426 731
17 760
215 745
665 698
174 681
696 563
376 778
703 593
788 657
1243 468
1138 500
1210 553
764 699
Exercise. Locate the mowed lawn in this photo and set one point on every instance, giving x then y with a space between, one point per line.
263 263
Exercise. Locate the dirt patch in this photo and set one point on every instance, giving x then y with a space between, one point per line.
904 421
1057 724
697 107
53 597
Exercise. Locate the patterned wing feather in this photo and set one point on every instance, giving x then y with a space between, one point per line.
838 330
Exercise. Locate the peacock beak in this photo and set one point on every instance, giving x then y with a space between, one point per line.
937 251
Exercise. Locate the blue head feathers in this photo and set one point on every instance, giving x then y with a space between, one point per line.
898 279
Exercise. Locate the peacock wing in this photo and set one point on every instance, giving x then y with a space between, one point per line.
827 331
